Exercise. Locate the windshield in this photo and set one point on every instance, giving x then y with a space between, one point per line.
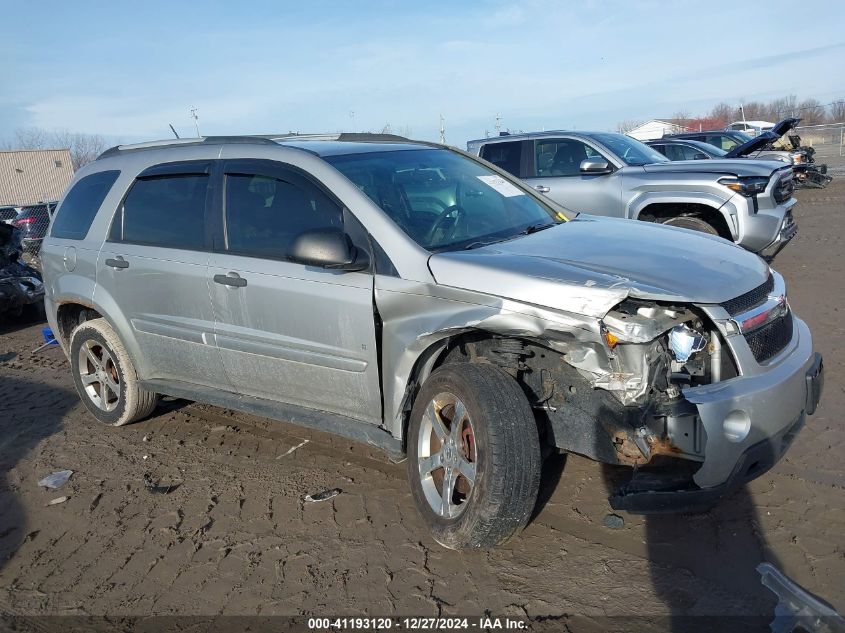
630 150
443 200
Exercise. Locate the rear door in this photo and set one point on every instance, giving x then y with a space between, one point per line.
556 171
153 268
288 332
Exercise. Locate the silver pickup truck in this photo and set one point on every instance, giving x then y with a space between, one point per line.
418 299
746 201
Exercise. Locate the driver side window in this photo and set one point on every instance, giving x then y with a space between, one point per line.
562 157
264 214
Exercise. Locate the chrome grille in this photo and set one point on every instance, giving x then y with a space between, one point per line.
750 299
771 338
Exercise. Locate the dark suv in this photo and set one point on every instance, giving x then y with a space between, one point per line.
33 221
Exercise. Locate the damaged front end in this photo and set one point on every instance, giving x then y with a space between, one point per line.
665 395
20 284
623 403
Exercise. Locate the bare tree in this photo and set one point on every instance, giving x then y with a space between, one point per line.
623 127
83 147
837 111
783 107
403 130
723 113
812 112
755 111
682 117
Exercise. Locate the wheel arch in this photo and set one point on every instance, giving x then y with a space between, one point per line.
470 345
701 208
72 310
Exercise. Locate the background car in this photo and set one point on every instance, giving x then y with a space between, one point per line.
683 149
602 173
33 221
8 213
752 128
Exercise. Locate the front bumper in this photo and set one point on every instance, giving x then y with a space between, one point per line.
755 461
788 230
776 402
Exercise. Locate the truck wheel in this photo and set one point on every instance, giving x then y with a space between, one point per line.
690 222
105 377
473 456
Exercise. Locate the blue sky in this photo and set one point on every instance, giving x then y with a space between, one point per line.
128 70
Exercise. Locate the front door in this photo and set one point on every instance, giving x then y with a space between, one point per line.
557 173
298 334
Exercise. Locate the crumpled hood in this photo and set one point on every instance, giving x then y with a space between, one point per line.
590 264
733 167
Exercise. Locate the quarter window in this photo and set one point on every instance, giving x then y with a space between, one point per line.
81 205
264 214
166 211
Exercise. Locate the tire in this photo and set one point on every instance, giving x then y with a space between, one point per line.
497 441
692 222
125 400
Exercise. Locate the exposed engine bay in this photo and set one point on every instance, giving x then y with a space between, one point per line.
619 401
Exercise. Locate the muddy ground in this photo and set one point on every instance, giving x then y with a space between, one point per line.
234 537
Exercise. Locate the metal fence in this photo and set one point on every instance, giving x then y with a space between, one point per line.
828 140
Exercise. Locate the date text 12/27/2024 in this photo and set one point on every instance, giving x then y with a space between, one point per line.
484 623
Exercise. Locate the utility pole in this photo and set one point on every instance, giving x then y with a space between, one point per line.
742 112
196 119
498 125
442 130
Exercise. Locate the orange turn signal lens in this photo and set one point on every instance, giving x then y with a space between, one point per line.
612 341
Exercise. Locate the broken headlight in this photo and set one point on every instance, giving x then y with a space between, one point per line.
684 342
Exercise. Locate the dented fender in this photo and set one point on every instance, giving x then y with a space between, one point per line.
416 316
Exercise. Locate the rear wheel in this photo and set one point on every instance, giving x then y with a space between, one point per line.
105 377
473 456
692 222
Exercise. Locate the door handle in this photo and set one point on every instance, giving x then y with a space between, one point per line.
232 279
542 188
119 262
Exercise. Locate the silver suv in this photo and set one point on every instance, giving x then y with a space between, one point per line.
415 298
746 201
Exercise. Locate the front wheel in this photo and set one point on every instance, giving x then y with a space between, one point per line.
473 456
692 222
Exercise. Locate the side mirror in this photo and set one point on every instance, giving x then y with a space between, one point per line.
328 248
595 166
700 156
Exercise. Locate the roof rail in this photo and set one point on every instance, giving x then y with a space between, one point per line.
337 136
204 140
366 136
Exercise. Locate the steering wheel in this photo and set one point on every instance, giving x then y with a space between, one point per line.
457 209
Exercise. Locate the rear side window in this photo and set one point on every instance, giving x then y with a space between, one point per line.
166 211
504 155
81 205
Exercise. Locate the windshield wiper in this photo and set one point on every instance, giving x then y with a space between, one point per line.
536 227
481 243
